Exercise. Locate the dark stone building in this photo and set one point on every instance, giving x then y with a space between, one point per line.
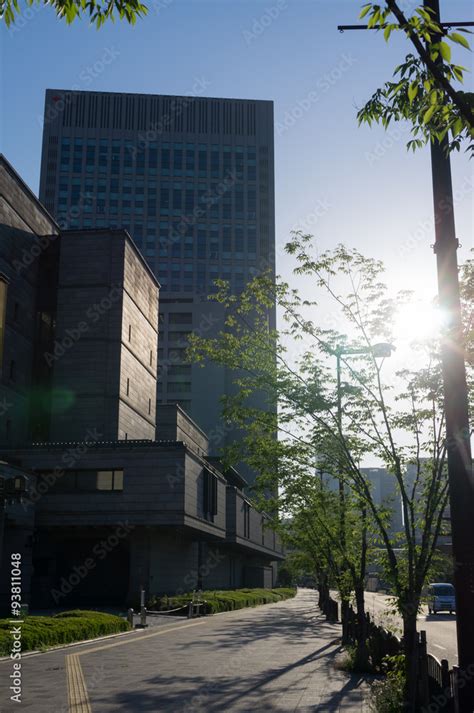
119 496
192 180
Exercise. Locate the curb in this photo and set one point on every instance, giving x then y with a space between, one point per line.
73 643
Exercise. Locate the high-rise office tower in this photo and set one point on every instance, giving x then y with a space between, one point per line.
192 180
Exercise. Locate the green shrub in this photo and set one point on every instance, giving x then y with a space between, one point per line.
386 696
223 600
65 628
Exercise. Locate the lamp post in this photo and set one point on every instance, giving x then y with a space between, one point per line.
382 349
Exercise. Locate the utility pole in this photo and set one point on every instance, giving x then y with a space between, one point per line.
459 458
461 481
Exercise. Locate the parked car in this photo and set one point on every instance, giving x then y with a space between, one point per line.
441 597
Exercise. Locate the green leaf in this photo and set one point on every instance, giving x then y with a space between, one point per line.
387 32
365 10
412 91
445 50
459 39
457 127
428 114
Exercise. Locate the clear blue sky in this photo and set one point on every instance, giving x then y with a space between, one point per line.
328 176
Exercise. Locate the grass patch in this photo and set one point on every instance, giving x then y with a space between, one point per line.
224 600
39 632
352 662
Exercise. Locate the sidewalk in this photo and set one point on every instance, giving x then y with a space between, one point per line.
275 658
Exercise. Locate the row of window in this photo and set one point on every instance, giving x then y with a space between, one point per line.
83 480
175 159
79 144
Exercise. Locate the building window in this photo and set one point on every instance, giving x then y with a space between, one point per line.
149 406
151 357
110 480
129 332
179 387
209 493
181 318
246 510
82 481
179 370
128 387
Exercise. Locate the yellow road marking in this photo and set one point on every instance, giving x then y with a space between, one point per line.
78 698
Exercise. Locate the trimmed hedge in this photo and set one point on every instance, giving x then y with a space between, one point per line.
224 600
64 628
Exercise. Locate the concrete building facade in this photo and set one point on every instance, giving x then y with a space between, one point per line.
106 339
192 180
109 507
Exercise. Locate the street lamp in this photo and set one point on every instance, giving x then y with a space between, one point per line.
379 350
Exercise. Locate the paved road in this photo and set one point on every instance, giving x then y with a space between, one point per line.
440 628
276 658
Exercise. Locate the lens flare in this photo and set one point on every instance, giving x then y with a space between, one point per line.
417 321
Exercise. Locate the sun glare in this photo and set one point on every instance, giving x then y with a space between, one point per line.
417 321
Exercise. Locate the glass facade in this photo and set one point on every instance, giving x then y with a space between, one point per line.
181 202
195 191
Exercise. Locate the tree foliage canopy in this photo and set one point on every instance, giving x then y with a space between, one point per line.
97 11
426 89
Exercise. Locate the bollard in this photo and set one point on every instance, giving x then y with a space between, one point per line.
130 614
190 610
142 609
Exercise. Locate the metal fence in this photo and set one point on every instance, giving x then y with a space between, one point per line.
438 685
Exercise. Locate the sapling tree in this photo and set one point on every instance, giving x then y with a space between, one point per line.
395 418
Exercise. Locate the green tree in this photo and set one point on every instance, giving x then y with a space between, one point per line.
397 419
312 528
426 89
96 11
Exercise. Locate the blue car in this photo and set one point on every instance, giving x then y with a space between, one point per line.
441 597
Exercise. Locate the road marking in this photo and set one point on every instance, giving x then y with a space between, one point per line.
78 698
440 647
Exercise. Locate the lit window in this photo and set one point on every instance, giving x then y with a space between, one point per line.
110 480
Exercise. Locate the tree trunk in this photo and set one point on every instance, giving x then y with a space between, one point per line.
410 650
362 649
345 618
